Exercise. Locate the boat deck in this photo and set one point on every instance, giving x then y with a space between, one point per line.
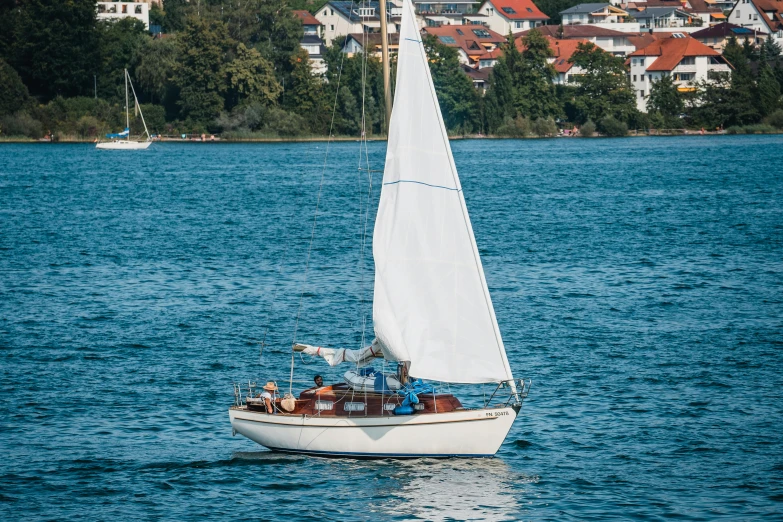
339 400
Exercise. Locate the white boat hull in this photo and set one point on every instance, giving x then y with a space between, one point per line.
463 433
123 145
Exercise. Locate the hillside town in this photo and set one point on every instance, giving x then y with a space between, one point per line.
501 67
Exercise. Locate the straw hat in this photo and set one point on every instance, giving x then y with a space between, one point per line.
270 386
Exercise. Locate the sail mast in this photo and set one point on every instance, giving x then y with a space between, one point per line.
127 107
385 58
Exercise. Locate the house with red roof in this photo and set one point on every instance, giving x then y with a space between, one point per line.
562 50
759 15
471 41
617 43
312 42
512 16
685 59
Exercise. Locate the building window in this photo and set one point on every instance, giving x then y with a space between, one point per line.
508 10
641 94
641 62
755 17
138 9
124 9
459 32
331 28
634 77
519 25
688 60
448 40
649 77
737 15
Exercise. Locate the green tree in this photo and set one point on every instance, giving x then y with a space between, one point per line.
122 43
199 71
459 101
252 78
156 67
268 25
603 90
304 94
55 46
770 49
665 99
499 100
535 91
175 15
13 93
742 109
768 91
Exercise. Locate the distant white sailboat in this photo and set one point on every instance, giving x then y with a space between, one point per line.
432 313
121 140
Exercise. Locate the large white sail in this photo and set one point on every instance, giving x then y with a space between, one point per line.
431 305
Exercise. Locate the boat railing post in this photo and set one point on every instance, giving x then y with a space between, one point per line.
486 403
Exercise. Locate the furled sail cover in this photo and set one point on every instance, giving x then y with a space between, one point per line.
431 305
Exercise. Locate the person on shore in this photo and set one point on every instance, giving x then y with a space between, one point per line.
269 395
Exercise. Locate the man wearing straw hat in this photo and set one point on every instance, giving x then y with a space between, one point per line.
270 390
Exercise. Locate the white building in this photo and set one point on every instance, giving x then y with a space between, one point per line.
341 18
593 14
117 10
759 15
683 58
512 16
666 19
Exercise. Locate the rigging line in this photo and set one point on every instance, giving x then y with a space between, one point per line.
317 204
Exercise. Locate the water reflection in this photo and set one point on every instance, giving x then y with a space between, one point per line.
480 489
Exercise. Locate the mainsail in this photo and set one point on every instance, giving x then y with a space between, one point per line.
431 305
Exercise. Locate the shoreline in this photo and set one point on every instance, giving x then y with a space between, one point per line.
324 139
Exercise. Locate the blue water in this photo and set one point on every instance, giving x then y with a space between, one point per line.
638 282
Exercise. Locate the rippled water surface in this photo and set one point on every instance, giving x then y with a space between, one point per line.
638 282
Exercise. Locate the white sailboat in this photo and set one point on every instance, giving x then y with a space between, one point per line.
432 313
121 140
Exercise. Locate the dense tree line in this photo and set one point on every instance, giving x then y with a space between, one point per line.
238 68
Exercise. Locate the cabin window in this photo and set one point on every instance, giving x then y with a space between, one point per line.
389 406
353 406
324 405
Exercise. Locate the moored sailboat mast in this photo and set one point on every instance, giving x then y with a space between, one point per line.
386 65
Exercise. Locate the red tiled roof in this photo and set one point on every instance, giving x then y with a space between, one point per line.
562 49
574 31
468 41
767 7
671 51
307 18
493 54
520 9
